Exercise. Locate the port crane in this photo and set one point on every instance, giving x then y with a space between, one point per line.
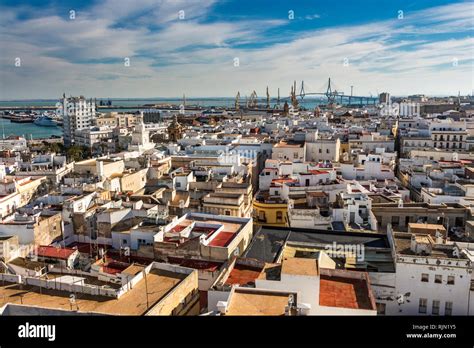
331 93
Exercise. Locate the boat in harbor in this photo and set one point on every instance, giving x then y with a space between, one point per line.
22 118
45 121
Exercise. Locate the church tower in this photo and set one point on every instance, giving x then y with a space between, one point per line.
175 130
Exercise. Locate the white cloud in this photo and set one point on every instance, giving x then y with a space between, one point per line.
192 56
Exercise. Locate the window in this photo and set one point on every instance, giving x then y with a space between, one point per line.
435 309
438 278
124 241
422 305
327 150
381 308
448 308
395 220
295 155
320 151
227 212
425 277
450 280
279 216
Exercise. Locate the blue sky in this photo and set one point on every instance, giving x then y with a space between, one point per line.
371 45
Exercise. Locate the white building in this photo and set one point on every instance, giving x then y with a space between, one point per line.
13 143
289 151
140 137
90 137
371 168
433 277
323 150
320 289
77 114
449 135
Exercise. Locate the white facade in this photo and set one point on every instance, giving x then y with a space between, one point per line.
371 169
449 135
141 137
429 282
289 152
323 150
77 114
90 136
13 143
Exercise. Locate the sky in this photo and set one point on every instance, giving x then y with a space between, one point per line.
215 48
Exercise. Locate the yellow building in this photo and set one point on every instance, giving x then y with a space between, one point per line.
134 181
270 214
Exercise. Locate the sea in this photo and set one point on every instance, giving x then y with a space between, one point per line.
32 131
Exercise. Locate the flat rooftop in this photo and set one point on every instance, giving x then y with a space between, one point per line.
134 302
202 265
223 239
435 227
403 246
300 266
344 293
243 275
258 303
268 242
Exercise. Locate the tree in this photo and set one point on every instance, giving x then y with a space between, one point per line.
78 153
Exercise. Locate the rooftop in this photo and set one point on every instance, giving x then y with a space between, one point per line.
222 239
402 242
243 275
134 302
55 253
289 144
300 266
259 302
344 292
